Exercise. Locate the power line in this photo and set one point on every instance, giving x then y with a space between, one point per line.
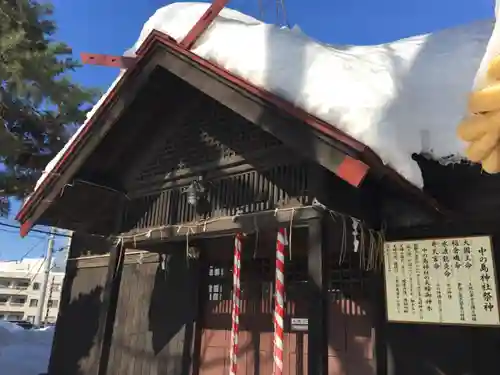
17 233
32 248
32 278
34 230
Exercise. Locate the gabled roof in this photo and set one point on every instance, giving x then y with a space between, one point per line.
335 150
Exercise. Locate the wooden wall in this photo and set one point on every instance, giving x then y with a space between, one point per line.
154 325
245 168
443 350
76 348
132 313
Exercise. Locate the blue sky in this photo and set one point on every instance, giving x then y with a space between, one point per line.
110 26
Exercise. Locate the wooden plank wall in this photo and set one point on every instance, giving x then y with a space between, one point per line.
75 350
155 315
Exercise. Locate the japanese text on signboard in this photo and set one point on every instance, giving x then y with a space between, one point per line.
448 281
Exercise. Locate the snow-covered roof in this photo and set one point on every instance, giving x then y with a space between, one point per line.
397 98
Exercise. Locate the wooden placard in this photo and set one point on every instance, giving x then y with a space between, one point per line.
441 281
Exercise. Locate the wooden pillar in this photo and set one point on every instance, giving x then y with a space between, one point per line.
318 293
109 303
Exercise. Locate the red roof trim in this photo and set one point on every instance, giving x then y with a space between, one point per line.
25 228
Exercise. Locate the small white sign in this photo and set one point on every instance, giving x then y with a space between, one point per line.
300 324
441 281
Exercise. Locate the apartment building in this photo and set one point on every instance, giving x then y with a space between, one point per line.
21 287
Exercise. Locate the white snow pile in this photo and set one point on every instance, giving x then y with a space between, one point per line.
24 352
398 98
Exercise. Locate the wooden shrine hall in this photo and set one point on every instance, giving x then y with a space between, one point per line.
220 230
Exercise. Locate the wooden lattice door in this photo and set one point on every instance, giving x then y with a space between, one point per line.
350 328
256 319
255 338
215 320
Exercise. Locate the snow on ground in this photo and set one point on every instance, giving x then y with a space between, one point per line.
398 98
24 352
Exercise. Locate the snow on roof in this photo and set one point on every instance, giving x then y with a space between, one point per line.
398 98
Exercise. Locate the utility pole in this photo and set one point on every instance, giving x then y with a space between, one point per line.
68 249
48 299
46 273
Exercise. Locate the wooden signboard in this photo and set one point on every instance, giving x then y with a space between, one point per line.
441 281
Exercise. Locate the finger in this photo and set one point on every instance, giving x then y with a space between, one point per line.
479 149
491 164
485 100
475 126
472 128
493 72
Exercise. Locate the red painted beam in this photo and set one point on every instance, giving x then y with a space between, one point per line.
199 28
189 40
353 171
25 228
121 62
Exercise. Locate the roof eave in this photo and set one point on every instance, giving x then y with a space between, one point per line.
33 209
363 152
